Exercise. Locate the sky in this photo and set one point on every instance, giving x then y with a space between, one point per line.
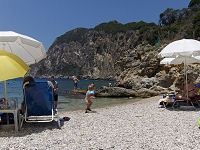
44 20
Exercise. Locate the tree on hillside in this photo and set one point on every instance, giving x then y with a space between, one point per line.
194 3
196 24
168 17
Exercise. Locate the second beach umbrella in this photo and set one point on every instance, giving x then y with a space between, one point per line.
11 67
182 51
184 47
28 49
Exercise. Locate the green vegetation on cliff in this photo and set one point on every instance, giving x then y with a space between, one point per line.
115 27
76 35
147 31
194 3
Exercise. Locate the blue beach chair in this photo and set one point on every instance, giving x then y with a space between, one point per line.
39 103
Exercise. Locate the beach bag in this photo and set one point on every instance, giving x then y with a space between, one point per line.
166 99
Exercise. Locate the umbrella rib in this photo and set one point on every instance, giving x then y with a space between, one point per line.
26 51
10 47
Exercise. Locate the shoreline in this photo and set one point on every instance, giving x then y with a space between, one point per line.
138 125
128 101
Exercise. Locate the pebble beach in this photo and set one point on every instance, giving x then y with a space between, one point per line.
138 125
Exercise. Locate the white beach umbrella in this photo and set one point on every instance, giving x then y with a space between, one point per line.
180 60
184 47
28 49
182 51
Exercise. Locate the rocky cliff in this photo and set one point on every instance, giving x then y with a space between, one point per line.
96 54
122 52
123 57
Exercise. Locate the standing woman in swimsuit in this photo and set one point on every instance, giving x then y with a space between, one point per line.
89 95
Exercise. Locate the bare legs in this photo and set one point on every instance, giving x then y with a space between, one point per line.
88 105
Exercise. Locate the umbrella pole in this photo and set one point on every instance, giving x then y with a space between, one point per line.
185 68
5 94
5 89
7 117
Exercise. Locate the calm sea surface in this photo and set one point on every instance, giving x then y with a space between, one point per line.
65 101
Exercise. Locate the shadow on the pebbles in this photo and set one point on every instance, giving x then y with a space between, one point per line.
30 128
93 111
184 108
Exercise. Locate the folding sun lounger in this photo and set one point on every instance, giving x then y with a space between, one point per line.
39 104
192 101
195 100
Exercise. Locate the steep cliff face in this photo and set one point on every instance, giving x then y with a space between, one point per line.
96 57
100 55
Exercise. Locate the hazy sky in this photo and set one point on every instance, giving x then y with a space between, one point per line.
45 20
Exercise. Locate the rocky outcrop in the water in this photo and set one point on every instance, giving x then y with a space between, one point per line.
121 92
114 92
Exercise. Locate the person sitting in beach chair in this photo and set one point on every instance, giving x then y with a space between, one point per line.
191 90
26 81
39 103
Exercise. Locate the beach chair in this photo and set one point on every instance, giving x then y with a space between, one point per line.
39 104
193 101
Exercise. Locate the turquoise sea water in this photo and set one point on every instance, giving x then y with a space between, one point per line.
66 101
